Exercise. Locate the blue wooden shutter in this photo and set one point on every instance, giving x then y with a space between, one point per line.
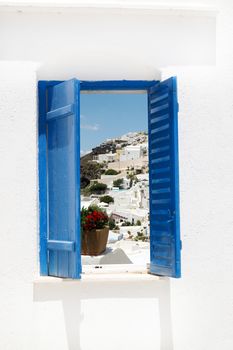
63 179
164 179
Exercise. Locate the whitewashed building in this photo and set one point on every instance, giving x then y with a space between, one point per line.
131 153
118 40
87 201
105 157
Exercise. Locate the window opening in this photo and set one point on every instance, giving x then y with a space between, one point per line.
115 179
59 175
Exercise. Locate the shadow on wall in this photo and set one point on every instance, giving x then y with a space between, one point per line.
72 295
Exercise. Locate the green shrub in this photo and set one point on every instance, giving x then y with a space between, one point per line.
111 172
98 188
126 223
107 199
86 191
118 183
138 223
111 224
91 170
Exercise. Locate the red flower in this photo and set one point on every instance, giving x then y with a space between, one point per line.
93 219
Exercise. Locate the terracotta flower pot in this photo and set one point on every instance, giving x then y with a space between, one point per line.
94 242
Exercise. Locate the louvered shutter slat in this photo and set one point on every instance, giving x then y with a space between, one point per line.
164 183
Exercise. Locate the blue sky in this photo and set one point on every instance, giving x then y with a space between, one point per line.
105 116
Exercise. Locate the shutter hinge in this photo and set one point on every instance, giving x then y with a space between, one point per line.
181 244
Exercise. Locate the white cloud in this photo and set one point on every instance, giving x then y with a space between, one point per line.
92 127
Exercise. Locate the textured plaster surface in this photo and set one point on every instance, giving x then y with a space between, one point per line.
18 202
106 45
203 296
192 313
120 3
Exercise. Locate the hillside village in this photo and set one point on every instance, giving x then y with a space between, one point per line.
120 185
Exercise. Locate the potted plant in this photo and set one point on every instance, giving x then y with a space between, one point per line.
94 227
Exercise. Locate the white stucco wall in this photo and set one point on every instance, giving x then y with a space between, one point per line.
18 202
96 42
192 313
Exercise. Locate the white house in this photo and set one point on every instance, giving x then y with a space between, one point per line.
131 153
132 215
105 157
135 197
119 40
87 201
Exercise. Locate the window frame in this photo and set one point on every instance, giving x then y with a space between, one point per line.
104 86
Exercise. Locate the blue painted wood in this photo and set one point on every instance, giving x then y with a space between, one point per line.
54 105
165 242
61 245
164 183
60 112
178 242
77 262
111 84
42 143
63 159
118 85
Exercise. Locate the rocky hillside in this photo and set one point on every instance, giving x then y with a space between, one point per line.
91 169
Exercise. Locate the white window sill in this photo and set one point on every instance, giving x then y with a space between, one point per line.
115 269
115 5
100 277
